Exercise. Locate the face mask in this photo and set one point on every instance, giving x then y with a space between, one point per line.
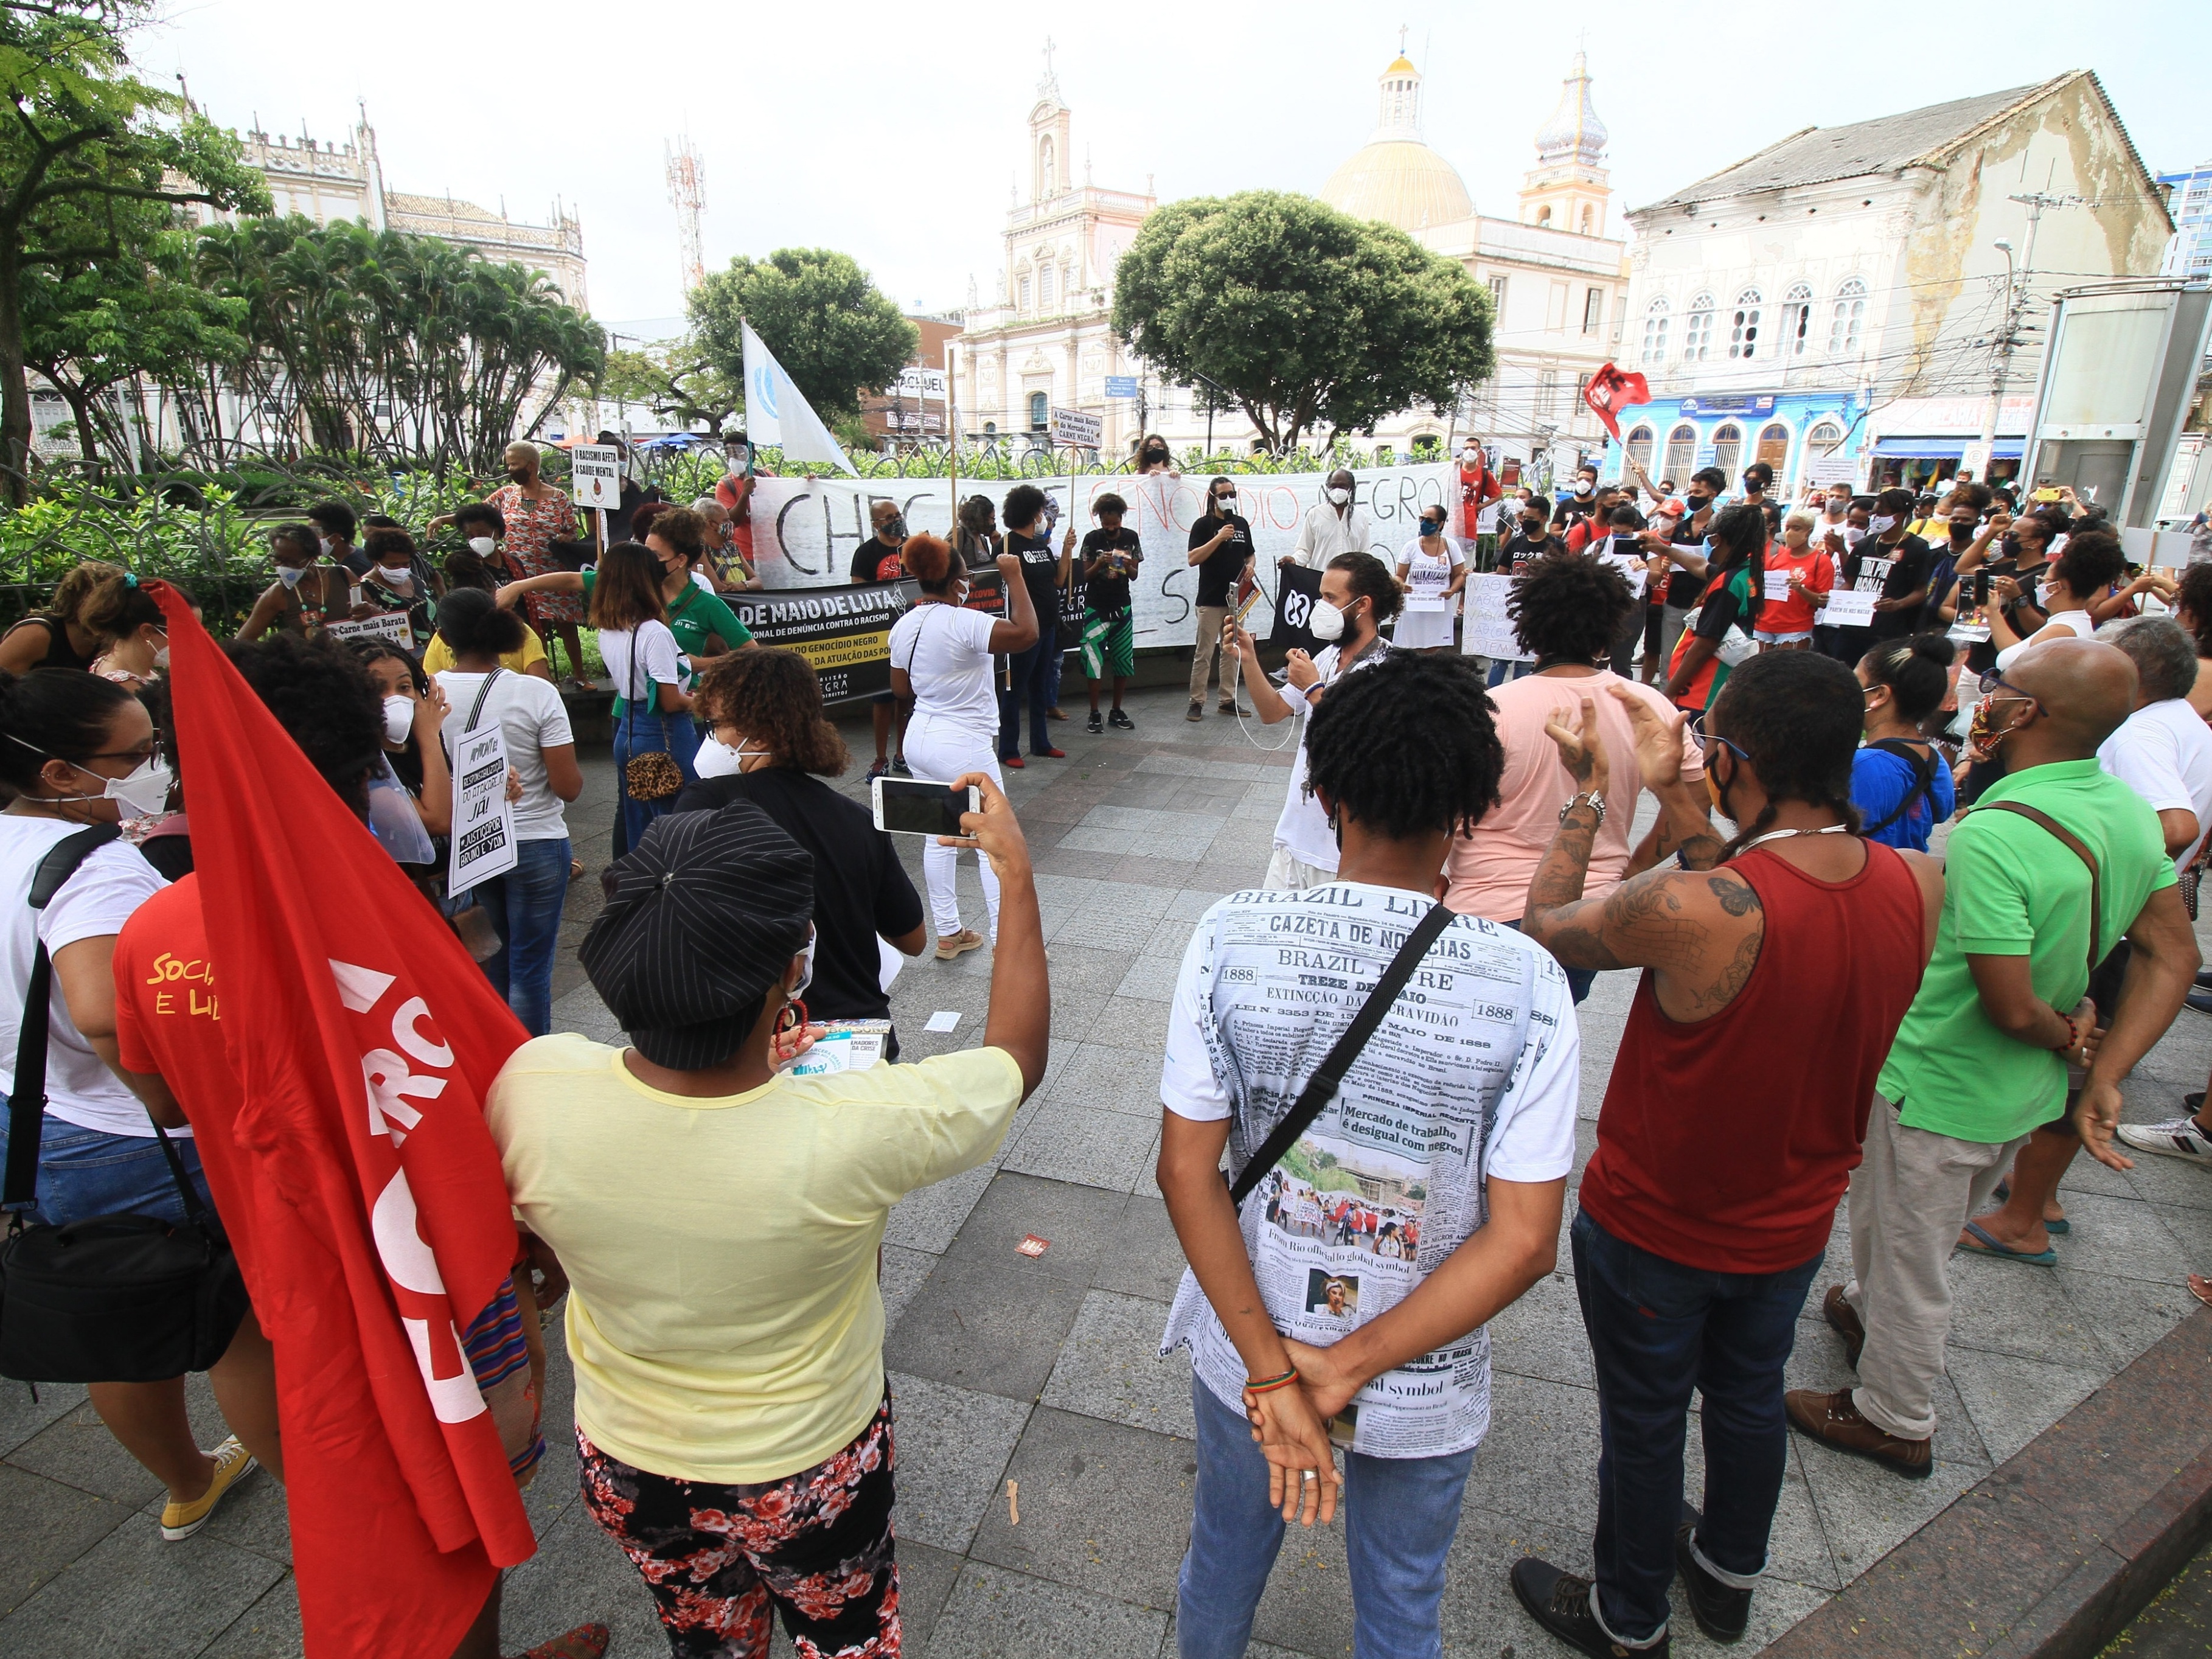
288 576
397 575
717 759
805 972
141 795
1962 532
162 659
1853 535
1225 505
324 541
1699 503
1432 526
481 546
1584 486
1470 457
894 529
1882 523
1327 622
736 459
398 719
1339 494
1751 486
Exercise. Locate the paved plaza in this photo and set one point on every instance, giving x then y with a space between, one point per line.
1044 1372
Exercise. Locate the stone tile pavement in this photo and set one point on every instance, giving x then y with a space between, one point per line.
1044 1372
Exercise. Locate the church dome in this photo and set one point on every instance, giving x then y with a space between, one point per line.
1573 134
1395 177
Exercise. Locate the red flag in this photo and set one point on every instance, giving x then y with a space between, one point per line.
1609 390
364 1040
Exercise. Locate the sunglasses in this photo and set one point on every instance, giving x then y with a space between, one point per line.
1698 733
1991 681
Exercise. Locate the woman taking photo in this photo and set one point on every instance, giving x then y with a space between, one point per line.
641 655
718 1221
308 591
524 903
76 750
1901 786
536 515
1432 574
941 674
769 743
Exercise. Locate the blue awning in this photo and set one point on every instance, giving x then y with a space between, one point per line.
1944 449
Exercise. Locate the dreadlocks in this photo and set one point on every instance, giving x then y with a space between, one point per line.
1798 715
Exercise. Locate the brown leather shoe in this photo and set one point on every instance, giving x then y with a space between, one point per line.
1844 1320
1833 1420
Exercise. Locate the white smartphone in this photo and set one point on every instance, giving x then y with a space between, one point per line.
920 807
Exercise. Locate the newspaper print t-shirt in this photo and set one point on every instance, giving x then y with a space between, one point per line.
1473 1073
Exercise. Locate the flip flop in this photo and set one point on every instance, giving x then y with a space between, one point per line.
1990 1247
2051 1224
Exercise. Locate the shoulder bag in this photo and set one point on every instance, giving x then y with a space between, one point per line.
111 1299
2036 815
1320 1088
1923 781
653 776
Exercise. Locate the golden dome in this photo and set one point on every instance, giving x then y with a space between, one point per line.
1401 65
1402 182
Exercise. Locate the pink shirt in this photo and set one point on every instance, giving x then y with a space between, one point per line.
1490 874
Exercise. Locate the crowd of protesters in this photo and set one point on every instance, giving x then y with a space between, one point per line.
719 1266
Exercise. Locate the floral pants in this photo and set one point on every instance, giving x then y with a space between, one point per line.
717 1559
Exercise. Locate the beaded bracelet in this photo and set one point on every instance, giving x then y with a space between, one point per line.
1272 1384
2073 1040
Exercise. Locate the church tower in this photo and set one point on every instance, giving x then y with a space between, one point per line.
1567 189
1049 160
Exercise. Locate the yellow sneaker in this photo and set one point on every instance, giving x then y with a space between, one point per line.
232 1463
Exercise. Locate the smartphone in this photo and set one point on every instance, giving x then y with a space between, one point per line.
919 806
2046 494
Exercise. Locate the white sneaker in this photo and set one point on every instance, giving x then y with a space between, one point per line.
2179 1139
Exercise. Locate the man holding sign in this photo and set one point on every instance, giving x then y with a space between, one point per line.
1798 579
1890 566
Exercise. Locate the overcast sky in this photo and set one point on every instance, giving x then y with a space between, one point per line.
894 131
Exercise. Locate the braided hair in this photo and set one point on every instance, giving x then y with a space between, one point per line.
1739 536
1799 716
1400 776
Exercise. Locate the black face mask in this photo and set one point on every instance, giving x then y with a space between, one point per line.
519 474
1699 503
1962 532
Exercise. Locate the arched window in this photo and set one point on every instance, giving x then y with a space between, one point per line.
1744 326
1039 409
1655 331
1589 219
1825 437
1639 446
1022 289
1698 333
1774 447
1797 319
1543 216
1044 286
1727 445
1681 453
1849 316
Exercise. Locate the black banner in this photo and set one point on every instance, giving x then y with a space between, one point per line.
845 632
1295 590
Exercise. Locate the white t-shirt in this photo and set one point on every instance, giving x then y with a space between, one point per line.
2163 751
2075 622
533 718
945 650
1475 1073
658 660
1427 574
1303 831
112 882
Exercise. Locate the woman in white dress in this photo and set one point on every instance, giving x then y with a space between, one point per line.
1432 573
941 674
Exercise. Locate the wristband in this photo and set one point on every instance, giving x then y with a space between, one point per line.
1270 1385
2072 1041
1296 694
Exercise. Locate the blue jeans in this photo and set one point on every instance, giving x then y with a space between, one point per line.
1399 1516
1506 668
526 907
89 1172
1031 674
650 733
1579 979
1657 1330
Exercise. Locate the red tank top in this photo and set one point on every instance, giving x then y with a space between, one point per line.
1725 1145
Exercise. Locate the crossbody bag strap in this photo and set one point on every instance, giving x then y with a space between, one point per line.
2037 816
1320 1088
1923 773
477 707
26 1101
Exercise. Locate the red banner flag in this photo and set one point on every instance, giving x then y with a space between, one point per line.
364 1040
1609 390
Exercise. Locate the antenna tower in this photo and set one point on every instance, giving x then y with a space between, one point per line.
686 191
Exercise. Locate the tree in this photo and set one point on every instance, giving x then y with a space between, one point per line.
835 334
1300 315
81 141
677 382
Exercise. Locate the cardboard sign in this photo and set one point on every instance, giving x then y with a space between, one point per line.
392 626
1777 587
1489 630
595 475
483 818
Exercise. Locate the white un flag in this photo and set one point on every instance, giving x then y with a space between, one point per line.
776 413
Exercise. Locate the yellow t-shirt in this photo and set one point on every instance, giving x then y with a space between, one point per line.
723 1317
437 656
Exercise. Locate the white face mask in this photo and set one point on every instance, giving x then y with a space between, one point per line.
1327 622
1881 524
161 657
1339 494
1853 535
396 576
1584 487
398 719
806 973
717 759
1470 457
481 546
141 793
289 576
325 542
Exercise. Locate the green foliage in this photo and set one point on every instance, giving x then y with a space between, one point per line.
834 332
675 382
1300 316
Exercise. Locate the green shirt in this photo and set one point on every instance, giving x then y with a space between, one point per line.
2011 888
695 616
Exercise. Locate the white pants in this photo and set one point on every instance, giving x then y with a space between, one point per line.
1288 874
938 748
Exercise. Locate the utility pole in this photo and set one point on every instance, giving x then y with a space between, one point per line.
2018 279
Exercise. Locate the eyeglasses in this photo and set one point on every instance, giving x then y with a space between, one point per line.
1991 681
1704 738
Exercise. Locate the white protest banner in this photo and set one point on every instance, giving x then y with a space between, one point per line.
391 625
595 475
1077 427
1850 610
1489 630
483 820
804 534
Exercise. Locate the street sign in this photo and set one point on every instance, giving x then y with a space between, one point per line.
1121 385
595 475
922 383
1078 427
